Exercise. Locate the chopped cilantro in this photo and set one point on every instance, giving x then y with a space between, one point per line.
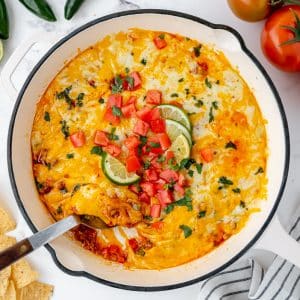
236 190
161 158
70 155
48 165
187 231
154 145
225 181
79 100
126 70
101 100
140 252
148 218
231 145
174 95
130 81
242 204
259 170
147 165
187 91
76 188
199 167
191 173
47 116
201 214
208 83
215 104
211 115
143 140
116 111
112 136
65 128
197 50
181 79
144 61
65 95
162 36
185 201
199 103
117 87
186 163
97 150
59 210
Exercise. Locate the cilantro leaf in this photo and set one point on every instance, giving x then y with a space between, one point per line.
187 231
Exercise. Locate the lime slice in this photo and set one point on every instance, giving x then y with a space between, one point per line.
174 129
181 148
175 113
1 50
116 172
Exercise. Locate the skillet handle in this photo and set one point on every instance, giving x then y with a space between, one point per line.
278 241
16 58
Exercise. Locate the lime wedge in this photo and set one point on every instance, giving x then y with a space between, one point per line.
175 113
174 129
180 148
1 50
116 172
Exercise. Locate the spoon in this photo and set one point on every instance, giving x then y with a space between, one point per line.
41 238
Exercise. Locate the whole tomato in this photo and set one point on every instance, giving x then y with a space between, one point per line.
280 38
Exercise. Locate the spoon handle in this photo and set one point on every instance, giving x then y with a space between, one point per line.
26 246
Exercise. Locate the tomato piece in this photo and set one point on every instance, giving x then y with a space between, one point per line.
280 39
113 150
164 141
141 128
101 138
159 42
169 175
143 113
114 100
158 225
154 146
133 243
181 179
158 126
160 184
114 253
137 81
207 154
154 114
148 188
131 142
143 197
179 189
132 163
128 110
164 197
153 97
155 210
78 139
150 175
169 155
134 188
110 117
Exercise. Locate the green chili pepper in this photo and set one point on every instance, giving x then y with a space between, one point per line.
71 7
4 24
41 8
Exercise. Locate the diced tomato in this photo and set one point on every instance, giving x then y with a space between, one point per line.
164 197
132 163
114 100
143 197
131 100
207 154
143 113
169 175
159 42
155 210
128 110
134 188
154 114
137 81
154 145
160 184
78 139
131 142
114 253
101 138
164 141
133 243
155 164
170 155
158 126
157 225
181 179
141 128
153 97
110 117
113 150
148 188
179 189
150 175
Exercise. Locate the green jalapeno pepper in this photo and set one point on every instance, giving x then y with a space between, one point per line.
71 7
4 23
41 8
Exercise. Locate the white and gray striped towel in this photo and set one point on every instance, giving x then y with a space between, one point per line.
248 280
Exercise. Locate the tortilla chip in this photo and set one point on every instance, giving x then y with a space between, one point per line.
6 241
10 292
36 291
22 273
6 222
4 280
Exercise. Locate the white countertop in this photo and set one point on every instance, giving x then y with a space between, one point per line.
24 24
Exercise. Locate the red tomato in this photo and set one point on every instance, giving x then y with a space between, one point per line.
169 175
101 138
181 180
160 184
160 42
153 97
137 81
148 188
134 188
155 210
143 197
150 175
164 141
133 243
143 113
157 225
154 114
164 197
154 145
131 142
113 150
78 139
132 163
128 110
141 128
281 44
207 154
158 126
110 117
114 100
179 189
114 253
170 154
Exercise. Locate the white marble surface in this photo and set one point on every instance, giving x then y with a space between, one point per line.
24 24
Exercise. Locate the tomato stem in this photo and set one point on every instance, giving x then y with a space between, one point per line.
295 30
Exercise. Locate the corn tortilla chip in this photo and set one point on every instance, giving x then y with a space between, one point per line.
6 241
4 280
36 291
10 292
22 273
6 222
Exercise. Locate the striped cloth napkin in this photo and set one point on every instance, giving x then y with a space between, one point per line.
248 280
